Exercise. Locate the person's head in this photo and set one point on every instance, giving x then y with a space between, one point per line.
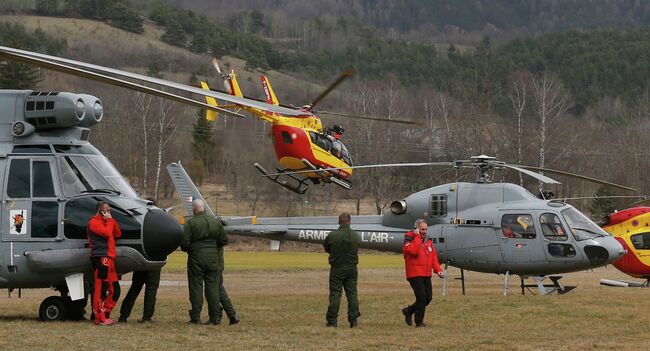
344 218
102 207
421 226
198 206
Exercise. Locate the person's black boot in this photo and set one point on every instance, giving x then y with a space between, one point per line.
353 323
234 321
331 324
408 317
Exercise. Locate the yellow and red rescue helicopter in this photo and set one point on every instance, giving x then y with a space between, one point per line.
631 227
301 143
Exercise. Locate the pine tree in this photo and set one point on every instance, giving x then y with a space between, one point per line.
47 7
202 143
602 204
175 35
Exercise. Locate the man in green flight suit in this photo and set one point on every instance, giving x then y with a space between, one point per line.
343 248
224 300
202 237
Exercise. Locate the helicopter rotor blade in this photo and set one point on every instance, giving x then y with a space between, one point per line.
346 74
100 73
593 180
390 120
384 165
535 175
117 82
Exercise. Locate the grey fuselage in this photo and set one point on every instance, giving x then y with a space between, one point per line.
51 180
465 224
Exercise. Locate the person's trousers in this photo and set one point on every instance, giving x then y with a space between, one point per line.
200 269
422 289
150 280
224 300
106 289
343 279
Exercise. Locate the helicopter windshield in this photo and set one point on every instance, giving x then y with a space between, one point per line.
581 226
85 174
331 145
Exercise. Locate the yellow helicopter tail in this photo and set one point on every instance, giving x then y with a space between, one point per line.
268 90
210 115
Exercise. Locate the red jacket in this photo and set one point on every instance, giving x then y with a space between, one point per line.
419 258
101 235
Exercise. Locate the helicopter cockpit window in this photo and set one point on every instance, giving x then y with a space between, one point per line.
518 226
321 140
43 185
552 227
79 211
339 150
91 173
582 227
641 241
45 219
18 186
438 206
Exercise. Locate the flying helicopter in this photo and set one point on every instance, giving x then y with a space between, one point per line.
53 178
630 228
300 142
483 226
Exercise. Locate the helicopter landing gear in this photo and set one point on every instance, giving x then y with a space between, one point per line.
53 308
328 176
299 187
61 308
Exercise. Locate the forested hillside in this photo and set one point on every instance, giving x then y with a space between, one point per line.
575 100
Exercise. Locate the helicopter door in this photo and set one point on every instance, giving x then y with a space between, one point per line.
31 211
558 245
519 241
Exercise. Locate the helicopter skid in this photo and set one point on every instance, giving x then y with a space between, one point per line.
299 187
328 176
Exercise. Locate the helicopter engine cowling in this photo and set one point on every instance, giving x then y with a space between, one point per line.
51 110
94 110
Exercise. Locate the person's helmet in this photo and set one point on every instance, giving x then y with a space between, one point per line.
338 129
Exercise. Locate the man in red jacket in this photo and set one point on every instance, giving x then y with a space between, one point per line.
102 232
420 257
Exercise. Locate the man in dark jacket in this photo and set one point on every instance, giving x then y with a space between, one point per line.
343 248
420 258
103 230
202 237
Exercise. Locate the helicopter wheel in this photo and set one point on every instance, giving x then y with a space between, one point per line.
53 308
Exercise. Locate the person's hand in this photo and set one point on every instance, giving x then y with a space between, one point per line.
441 274
107 215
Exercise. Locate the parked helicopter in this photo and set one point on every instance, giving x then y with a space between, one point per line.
484 226
630 228
300 141
52 180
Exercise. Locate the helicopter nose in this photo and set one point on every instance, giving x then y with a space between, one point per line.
606 250
161 234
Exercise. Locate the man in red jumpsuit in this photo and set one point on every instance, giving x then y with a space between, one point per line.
102 232
420 258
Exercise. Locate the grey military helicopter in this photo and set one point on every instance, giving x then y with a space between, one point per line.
483 226
52 179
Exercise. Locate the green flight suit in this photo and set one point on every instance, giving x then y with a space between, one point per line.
203 235
343 248
223 294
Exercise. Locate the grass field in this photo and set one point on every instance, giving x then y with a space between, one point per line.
281 299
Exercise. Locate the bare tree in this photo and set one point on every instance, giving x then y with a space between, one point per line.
142 103
518 100
551 103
